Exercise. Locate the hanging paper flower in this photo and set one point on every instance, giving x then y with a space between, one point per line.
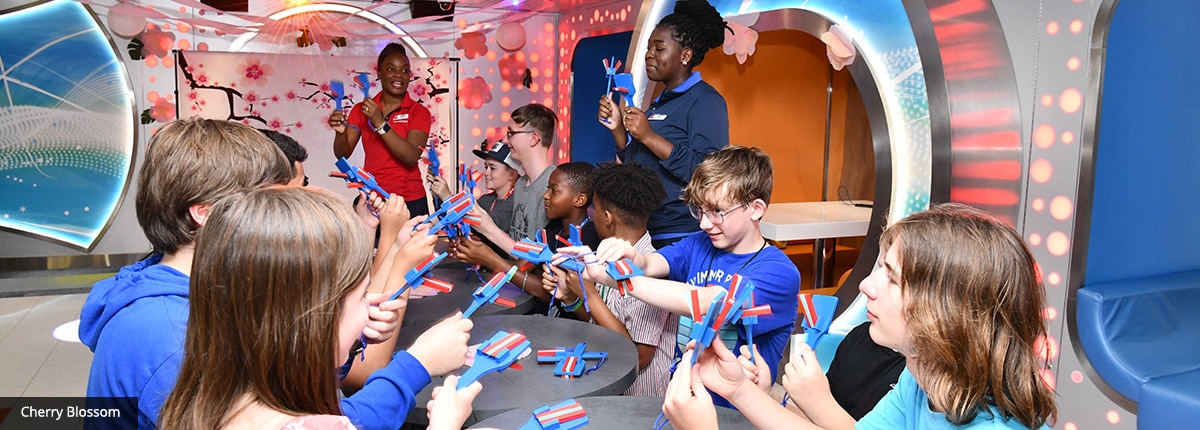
253 72
839 46
474 92
740 41
158 43
473 44
512 69
163 110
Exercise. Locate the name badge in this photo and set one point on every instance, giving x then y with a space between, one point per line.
400 117
657 117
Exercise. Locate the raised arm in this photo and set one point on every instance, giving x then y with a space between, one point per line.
674 297
344 138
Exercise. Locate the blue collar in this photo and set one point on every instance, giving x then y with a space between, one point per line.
682 88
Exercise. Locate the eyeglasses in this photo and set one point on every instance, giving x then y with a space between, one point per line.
716 217
509 134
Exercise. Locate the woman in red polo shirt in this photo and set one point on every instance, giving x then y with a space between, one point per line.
394 129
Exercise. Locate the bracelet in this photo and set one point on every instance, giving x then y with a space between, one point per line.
573 306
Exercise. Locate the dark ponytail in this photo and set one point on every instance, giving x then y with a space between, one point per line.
696 25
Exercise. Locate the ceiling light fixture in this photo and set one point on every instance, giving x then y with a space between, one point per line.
409 42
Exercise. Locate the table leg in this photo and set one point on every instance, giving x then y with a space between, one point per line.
823 253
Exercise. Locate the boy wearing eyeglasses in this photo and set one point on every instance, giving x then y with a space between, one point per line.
728 194
529 134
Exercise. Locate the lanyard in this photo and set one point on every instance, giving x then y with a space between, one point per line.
506 196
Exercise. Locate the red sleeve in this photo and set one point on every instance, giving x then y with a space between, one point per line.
356 118
420 118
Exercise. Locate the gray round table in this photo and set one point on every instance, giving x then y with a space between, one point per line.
613 412
535 384
423 312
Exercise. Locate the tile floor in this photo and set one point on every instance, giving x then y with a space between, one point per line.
33 363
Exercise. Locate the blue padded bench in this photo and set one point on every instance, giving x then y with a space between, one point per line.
1142 336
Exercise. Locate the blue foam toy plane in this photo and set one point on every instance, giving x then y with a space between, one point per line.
818 315
571 363
496 354
490 292
733 306
358 178
454 216
339 92
534 251
419 275
364 81
574 238
431 158
621 270
623 84
566 415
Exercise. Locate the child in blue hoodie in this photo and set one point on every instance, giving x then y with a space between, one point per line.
135 322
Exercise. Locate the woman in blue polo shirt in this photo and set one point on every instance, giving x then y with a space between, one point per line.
684 124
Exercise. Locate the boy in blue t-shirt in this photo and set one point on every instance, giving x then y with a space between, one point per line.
728 194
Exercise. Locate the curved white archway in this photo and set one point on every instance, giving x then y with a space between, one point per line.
410 43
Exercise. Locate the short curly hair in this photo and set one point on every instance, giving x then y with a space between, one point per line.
579 177
631 191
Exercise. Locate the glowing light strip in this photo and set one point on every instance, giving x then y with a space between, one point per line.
649 19
412 45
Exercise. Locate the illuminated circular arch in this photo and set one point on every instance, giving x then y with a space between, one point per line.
888 49
408 41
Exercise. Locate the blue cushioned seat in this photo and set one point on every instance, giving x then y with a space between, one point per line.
1140 336
1171 402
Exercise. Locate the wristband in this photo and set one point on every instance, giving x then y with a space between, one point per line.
383 129
573 306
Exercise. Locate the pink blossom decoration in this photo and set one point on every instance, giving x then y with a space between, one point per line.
254 72
474 92
839 46
740 42
418 91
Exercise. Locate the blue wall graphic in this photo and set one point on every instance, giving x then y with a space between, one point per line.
66 124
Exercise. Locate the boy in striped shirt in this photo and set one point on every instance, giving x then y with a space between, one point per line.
623 198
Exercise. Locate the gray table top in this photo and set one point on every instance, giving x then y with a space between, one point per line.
535 384
613 412
423 312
